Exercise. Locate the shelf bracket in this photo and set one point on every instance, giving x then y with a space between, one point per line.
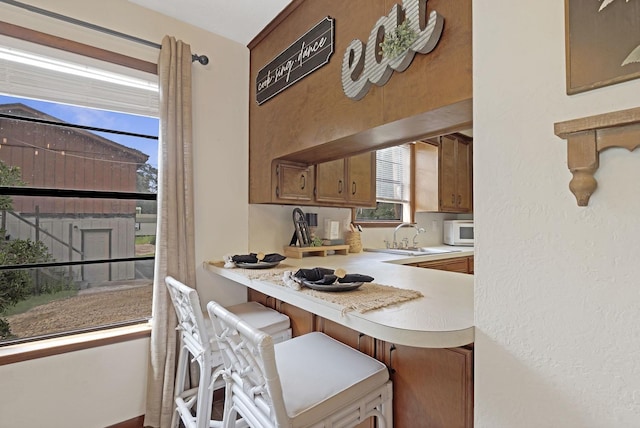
587 137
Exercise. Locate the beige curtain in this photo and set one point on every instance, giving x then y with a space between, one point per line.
175 234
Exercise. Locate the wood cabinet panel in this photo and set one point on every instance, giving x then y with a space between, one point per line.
256 296
331 181
448 168
431 387
346 335
302 322
460 264
440 76
361 173
443 175
455 168
347 182
454 264
464 179
294 183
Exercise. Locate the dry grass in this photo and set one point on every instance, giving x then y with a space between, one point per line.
87 309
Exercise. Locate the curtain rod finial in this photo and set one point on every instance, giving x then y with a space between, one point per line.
202 59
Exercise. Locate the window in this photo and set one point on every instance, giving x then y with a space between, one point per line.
393 187
78 188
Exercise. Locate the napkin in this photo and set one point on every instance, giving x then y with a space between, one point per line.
324 276
253 258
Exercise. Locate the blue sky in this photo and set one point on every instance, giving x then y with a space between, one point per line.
102 119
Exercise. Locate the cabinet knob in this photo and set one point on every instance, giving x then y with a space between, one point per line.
303 181
277 191
353 187
340 186
459 199
453 198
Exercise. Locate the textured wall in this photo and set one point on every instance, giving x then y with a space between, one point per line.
557 296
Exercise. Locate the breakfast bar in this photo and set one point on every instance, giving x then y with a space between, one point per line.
424 333
441 318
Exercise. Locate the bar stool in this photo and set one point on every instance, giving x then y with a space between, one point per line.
309 381
197 341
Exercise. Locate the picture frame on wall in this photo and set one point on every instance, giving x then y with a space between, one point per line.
602 39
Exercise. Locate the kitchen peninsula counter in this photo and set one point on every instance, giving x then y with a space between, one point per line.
442 318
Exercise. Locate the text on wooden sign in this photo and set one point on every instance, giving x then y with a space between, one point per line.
304 56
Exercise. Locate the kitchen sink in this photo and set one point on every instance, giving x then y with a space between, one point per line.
411 251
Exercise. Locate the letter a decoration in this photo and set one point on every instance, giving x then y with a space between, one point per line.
392 44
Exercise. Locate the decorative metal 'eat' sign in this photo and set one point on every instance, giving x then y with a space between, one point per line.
304 56
363 64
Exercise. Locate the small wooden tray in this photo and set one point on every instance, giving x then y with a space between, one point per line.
300 252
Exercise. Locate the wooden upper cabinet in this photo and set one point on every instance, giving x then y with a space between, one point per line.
293 182
361 171
331 181
456 174
347 182
443 174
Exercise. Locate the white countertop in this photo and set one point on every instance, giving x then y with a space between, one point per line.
443 318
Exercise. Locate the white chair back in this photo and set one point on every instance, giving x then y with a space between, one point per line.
191 323
253 385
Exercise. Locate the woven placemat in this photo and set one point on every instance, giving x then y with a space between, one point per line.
366 298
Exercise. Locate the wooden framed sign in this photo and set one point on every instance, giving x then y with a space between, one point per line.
602 43
310 52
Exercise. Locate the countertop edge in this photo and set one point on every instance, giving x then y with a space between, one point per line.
353 320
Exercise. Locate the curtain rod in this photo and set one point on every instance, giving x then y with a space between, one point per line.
202 59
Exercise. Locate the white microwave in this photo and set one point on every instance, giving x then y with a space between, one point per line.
458 232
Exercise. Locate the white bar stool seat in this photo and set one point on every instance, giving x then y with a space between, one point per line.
309 381
198 344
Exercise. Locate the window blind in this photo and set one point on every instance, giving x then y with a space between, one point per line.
393 174
38 72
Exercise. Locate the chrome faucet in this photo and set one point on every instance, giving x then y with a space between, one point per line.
401 225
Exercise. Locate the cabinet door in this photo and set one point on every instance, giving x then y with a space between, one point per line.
464 172
361 171
353 338
256 296
330 181
293 182
425 176
302 322
448 174
431 387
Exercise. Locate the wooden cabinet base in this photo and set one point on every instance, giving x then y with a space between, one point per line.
431 387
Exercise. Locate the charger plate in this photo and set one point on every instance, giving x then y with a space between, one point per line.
259 265
336 286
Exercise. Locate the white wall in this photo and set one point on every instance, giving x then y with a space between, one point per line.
557 296
92 388
220 122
